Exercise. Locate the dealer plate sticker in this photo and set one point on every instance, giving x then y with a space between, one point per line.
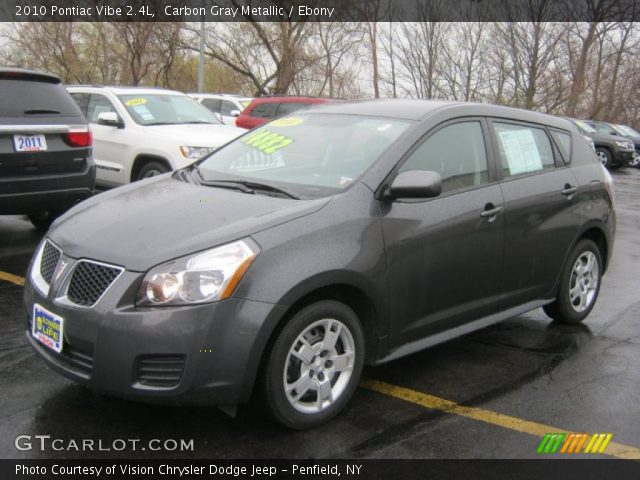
47 328
29 143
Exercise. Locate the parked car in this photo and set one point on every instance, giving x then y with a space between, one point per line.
263 109
622 131
611 150
348 234
143 132
45 147
226 107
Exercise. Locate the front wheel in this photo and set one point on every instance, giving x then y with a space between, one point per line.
43 220
635 160
605 157
580 284
314 366
151 169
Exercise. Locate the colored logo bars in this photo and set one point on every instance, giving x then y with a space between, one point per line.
574 443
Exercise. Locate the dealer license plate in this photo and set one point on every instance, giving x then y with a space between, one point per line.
29 143
47 328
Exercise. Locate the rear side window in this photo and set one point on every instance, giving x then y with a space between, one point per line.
82 100
563 141
523 149
32 99
264 110
289 107
212 104
457 153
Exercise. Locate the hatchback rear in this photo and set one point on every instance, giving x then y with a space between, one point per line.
45 147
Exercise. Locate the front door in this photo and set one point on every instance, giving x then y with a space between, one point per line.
444 255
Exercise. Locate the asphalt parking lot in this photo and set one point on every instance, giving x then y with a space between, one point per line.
490 394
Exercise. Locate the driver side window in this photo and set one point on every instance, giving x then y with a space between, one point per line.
97 105
457 152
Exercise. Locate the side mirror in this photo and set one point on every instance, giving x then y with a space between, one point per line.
109 119
235 113
415 184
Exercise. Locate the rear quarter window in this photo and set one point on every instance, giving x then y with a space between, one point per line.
32 99
563 142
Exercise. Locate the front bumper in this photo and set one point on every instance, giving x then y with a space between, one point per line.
622 158
213 350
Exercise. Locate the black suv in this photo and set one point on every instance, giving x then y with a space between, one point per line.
612 151
621 131
46 164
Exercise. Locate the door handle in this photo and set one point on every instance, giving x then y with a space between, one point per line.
568 190
490 211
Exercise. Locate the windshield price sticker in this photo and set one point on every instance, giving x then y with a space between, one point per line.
266 141
135 101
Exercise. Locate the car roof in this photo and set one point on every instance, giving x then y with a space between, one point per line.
26 74
293 99
221 96
414 109
126 90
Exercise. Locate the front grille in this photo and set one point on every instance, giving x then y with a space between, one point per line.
89 281
160 370
49 261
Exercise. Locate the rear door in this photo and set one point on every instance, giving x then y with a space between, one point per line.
35 118
444 254
542 212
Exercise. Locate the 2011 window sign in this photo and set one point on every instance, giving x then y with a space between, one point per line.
62 11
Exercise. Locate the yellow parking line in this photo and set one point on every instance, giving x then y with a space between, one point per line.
614 449
9 277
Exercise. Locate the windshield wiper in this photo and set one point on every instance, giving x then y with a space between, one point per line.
197 122
245 185
269 188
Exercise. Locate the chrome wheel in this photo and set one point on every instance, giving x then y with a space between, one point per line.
602 156
583 284
635 161
319 366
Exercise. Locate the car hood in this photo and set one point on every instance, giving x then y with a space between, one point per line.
150 222
196 135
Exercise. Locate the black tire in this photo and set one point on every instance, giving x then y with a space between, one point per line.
151 169
635 161
563 309
605 157
273 379
43 220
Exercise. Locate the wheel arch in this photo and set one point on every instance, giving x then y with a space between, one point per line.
142 159
351 293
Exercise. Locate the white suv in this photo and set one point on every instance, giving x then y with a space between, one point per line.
226 106
142 132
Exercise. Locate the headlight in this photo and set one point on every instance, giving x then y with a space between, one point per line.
195 153
203 277
623 144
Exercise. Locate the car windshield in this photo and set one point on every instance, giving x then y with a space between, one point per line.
624 130
166 109
311 154
585 126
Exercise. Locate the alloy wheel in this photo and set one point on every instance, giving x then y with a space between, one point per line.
583 284
602 156
319 366
635 161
